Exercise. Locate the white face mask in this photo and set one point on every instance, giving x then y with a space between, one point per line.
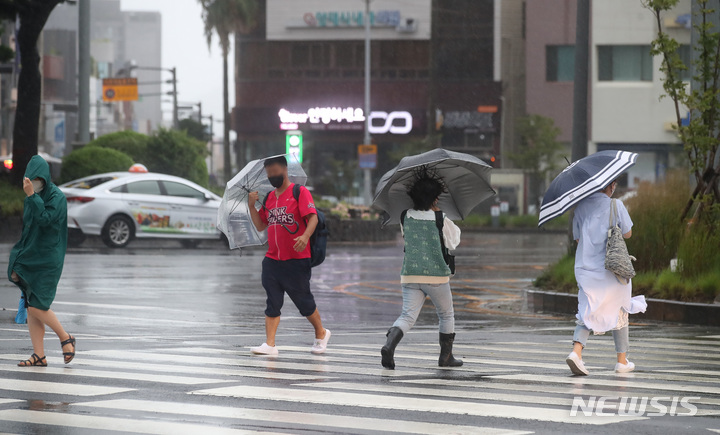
38 185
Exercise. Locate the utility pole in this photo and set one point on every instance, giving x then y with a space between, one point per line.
176 121
200 117
367 140
84 71
580 86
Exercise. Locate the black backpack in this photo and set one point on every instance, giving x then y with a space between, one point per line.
439 223
318 240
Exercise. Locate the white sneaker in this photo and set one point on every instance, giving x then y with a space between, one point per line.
624 368
576 364
320 345
264 349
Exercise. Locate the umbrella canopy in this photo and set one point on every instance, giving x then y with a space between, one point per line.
581 179
466 177
234 215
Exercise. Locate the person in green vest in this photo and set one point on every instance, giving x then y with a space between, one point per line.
36 261
425 272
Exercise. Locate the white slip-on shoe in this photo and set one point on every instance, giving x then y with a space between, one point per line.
320 345
576 364
624 368
264 349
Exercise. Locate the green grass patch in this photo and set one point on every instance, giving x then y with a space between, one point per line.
664 284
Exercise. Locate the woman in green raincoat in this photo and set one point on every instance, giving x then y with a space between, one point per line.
36 261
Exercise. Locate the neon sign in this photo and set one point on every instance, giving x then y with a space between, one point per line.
347 118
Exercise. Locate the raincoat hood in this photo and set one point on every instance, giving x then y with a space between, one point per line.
38 168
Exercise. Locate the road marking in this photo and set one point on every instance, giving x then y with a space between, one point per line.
57 387
146 377
6 401
123 424
257 361
534 388
165 368
268 417
607 383
410 404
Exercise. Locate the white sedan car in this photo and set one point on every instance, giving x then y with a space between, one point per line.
119 206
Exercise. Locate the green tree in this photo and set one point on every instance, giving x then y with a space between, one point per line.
175 153
32 16
90 160
129 142
538 151
225 17
194 129
701 99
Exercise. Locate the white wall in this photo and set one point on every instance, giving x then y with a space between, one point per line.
630 112
291 19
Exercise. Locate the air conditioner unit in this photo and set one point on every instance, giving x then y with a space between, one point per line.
407 25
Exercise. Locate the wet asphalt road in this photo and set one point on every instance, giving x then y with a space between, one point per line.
163 334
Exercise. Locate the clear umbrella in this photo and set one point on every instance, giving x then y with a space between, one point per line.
234 215
466 177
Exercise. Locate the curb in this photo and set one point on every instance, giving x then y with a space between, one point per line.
658 309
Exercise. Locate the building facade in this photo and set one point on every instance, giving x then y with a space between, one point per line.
302 69
625 109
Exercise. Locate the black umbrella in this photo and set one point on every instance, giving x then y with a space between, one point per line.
466 177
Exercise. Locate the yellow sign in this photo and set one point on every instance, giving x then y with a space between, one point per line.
124 89
367 156
367 149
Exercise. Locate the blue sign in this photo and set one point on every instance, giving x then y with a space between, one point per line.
60 132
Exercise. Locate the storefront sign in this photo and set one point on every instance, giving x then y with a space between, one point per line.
347 118
350 19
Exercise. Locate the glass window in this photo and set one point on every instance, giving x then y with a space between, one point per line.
89 183
147 187
624 63
178 189
560 63
685 52
119 189
300 55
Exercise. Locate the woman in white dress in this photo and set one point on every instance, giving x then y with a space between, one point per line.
604 300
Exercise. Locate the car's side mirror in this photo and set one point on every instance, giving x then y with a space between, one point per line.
208 197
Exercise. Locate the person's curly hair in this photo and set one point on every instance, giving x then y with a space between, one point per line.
426 186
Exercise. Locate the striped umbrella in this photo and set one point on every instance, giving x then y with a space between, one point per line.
581 179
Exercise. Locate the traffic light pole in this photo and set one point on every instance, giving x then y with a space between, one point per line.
367 140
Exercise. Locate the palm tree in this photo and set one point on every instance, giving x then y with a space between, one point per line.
225 17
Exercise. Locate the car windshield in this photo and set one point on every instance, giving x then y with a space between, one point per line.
88 183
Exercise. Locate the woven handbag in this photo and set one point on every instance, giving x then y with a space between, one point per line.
617 258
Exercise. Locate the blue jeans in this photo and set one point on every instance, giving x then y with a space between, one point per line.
414 298
621 337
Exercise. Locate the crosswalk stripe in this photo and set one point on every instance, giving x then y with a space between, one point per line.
410 404
257 361
57 387
178 368
296 418
532 388
123 424
465 394
660 375
6 401
164 379
694 389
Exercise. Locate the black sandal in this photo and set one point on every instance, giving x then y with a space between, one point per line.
34 361
70 340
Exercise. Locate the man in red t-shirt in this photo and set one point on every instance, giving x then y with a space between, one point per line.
286 266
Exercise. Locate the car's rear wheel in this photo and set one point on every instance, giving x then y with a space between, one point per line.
118 232
190 244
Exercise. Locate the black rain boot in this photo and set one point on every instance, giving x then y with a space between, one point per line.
446 357
394 335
